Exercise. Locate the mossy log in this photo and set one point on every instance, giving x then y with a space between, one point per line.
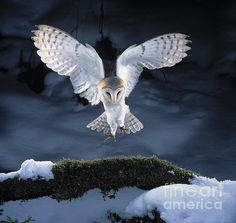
72 178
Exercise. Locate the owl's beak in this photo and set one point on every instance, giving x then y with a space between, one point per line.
113 99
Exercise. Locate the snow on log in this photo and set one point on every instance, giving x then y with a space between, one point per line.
31 169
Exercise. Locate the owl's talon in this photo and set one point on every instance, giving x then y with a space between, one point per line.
122 129
110 136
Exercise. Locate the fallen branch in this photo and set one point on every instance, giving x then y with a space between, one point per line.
72 178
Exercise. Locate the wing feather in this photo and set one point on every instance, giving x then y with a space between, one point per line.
162 51
66 56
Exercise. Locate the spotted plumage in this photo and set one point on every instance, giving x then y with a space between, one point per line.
66 56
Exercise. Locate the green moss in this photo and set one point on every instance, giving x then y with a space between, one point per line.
72 178
113 173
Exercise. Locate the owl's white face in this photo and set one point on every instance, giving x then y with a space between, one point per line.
113 96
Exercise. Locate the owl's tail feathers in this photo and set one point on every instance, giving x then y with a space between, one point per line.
100 124
132 124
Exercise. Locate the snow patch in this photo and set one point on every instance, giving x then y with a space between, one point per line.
171 172
31 169
204 200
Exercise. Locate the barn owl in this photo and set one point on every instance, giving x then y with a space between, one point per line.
65 55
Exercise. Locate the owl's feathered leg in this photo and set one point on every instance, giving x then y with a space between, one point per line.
100 124
110 137
112 133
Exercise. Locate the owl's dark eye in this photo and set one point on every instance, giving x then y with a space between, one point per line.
118 93
108 94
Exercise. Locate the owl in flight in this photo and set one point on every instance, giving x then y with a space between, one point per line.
67 56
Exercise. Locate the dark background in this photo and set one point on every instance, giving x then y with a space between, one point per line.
188 110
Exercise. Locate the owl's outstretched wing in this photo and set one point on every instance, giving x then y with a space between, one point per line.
162 51
66 56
